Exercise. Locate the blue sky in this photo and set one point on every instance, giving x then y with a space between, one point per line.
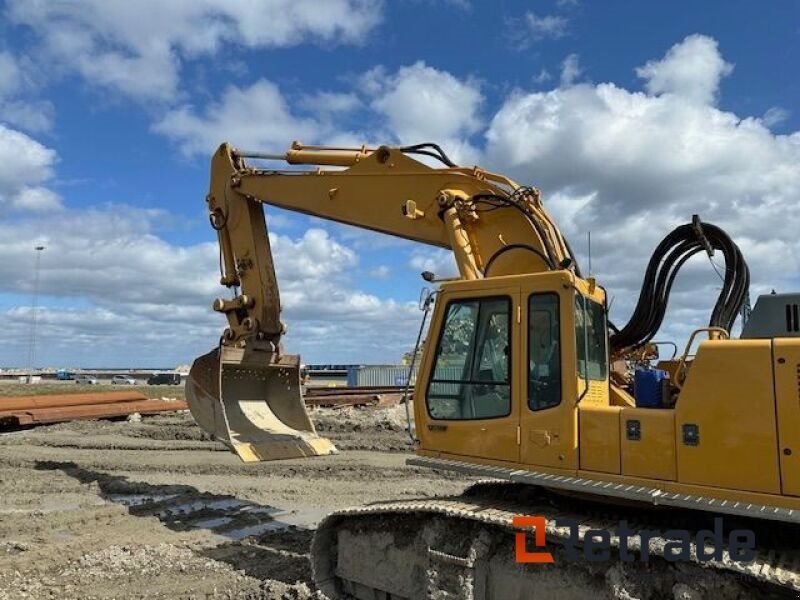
629 116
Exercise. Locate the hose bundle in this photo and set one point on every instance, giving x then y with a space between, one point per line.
670 255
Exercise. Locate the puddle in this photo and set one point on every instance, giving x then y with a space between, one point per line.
228 517
212 523
261 528
197 505
131 500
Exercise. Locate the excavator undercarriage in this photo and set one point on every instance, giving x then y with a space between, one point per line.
464 547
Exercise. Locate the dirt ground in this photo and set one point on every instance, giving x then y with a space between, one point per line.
155 509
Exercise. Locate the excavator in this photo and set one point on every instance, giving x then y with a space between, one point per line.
525 384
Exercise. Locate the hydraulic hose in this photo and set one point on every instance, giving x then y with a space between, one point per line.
667 259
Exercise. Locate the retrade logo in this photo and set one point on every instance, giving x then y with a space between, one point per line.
595 545
522 554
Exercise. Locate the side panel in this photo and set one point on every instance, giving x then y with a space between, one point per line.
648 443
786 355
599 438
491 438
726 431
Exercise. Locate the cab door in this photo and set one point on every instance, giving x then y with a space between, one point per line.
467 404
548 410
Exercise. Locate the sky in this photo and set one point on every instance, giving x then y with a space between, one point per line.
630 117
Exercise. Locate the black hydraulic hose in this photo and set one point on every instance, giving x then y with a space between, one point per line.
429 149
667 259
535 225
505 249
435 151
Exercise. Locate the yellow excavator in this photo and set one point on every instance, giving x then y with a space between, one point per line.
523 381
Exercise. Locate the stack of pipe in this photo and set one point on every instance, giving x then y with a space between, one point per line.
17 411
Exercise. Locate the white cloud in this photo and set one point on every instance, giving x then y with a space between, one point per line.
381 272
570 70
440 262
627 165
543 76
530 28
25 165
257 117
10 74
775 115
30 115
692 69
15 107
126 294
417 103
36 199
421 104
630 166
137 48
545 26
330 103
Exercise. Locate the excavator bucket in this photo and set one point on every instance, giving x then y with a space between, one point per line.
255 405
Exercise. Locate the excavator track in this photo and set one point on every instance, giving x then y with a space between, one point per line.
463 547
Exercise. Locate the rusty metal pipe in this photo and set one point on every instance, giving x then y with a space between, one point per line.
13 403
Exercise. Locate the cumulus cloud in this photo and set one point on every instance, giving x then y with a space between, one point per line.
16 106
626 164
416 103
126 291
545 26
25 165
255 117
691 69
137 48
420 103
629 166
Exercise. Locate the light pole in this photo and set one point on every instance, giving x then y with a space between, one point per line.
34 302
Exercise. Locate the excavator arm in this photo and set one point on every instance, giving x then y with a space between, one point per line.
247 392
487 220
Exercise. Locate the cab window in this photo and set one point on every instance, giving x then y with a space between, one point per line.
590 339
471 368
544 351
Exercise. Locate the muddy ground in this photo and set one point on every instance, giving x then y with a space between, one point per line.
156 509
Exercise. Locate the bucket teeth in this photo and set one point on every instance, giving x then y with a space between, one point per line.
254 403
